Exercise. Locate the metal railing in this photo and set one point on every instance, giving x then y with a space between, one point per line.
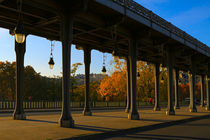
6 105
140 10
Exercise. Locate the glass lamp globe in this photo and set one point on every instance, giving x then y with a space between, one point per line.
162 79
20 38
138 75
116 58
103 70
51 63
19 33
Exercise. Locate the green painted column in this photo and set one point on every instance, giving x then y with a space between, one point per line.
208 88
192 107
157 75
133 114
66 119
128 106
202 79
20 50
87 61
170 57
176 87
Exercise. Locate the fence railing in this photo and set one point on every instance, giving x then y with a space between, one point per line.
4 105
57 104
140 10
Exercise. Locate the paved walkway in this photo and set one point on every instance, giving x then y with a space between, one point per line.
46 126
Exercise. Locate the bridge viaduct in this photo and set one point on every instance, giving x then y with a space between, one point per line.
121 27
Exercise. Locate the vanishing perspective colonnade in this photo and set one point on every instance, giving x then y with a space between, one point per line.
67 15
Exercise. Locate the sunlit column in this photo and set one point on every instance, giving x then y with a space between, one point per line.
133 114
208 88
176 87
128 87
157 74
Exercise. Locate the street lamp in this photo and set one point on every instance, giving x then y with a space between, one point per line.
51 62
138 75
115 54
104 68
162 79
19 33
190 73
19 29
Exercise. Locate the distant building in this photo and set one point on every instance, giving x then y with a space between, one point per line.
80 78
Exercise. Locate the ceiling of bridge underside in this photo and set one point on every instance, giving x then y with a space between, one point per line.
98 27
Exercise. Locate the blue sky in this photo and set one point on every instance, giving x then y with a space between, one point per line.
192 16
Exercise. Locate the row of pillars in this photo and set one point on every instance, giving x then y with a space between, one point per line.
66 119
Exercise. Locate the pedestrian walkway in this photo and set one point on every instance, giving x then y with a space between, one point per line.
46 126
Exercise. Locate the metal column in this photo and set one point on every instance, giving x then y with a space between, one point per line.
133 114
157 74
87 61
66 119
20 52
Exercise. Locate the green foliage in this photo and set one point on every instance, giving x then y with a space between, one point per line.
36 87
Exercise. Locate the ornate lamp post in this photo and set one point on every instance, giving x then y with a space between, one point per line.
115 54
19 29
20 48
104 67
51 62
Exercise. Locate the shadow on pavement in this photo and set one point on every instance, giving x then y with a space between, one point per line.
131 132
160 137
41 121
93 128
108 116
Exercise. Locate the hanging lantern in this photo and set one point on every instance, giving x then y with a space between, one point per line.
51 63
138 75
115 58
103 70
115 54
181 75
19 33
162 79
190 73
19 29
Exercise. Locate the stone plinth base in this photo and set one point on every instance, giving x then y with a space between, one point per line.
133 116
66 123
170 112
207 108
202 105
156 109
87 113
127 110
176 107
191 109
19 116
